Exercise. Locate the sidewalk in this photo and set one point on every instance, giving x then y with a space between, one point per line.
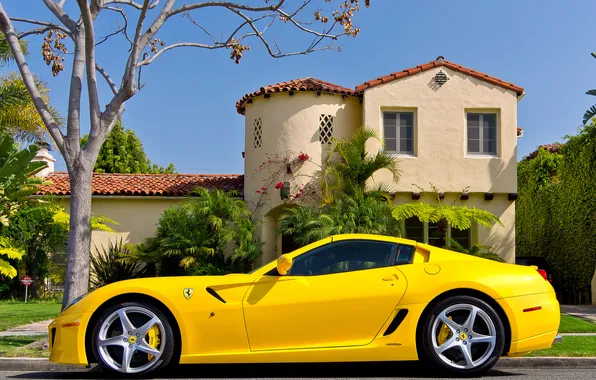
582 311
37 328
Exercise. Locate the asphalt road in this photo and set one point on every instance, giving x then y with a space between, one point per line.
323 372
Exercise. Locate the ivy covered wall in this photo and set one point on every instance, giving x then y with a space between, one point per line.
556 211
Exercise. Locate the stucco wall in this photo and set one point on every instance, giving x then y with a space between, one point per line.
440 132
137 216
290 126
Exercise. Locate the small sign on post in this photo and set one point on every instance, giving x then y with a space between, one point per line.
26 281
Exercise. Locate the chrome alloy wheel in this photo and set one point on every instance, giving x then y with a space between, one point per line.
124 343
464 336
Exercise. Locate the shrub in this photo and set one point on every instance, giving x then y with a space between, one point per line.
109 265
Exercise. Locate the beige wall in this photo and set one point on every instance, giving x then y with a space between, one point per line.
290 126
440 132
138 216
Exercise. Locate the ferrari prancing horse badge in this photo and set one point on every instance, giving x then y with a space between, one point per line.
188 292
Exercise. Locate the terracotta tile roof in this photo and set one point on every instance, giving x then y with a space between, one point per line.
145 184
304 84
432 64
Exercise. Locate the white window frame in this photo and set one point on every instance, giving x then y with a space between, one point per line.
481 134
398 131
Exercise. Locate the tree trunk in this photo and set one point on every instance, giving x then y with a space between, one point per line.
32 251
79 237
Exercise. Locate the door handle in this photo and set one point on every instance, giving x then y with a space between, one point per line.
390 277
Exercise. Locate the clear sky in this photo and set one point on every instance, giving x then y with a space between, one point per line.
186 113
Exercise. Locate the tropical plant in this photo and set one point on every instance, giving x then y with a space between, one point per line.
349 214
591 112
6 55
17 181
123 153
8 252
200 230
445 214
108 265
348 167
483 251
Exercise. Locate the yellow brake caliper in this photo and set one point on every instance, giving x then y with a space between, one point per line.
153 339
443 334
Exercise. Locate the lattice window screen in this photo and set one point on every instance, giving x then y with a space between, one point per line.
325 128
257 133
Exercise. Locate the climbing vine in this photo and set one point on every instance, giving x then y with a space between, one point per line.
556 210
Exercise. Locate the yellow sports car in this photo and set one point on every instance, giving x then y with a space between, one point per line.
345 298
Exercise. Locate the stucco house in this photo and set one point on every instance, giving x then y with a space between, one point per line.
449 125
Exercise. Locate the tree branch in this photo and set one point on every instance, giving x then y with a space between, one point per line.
94 108
40 105
132 3
108 79
123 30
50 25
150 60
57 10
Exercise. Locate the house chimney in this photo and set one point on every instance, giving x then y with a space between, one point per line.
440 58
44 155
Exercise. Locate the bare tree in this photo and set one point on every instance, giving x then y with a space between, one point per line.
320 21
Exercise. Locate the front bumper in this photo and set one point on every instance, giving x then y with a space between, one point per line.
66 339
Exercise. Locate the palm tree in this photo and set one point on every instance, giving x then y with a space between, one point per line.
18 115
445 214
198 232
591 112
16 185
348 167
6 56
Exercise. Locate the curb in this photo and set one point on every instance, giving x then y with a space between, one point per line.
35 364
42 364
547 362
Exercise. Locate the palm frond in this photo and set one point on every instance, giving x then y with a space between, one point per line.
590 113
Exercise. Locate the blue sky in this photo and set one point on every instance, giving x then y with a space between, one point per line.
185 114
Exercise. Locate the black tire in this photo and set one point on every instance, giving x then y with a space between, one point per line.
168 348
426 341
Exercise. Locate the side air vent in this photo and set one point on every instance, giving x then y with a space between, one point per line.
53 337
214 294
399 318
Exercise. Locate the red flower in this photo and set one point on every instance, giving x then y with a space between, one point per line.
263 188
258 191
279 185
297 196
303 157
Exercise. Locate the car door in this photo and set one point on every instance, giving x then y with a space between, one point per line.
339 294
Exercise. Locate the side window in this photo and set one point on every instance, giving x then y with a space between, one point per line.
344 256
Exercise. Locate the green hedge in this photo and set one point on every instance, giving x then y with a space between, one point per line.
556 210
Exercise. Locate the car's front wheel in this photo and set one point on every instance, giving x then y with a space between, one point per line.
133 338
463 335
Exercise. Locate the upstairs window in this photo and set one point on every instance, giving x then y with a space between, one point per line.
325 129
257 133
482 133
399 132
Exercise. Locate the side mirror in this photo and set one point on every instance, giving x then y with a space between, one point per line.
284 263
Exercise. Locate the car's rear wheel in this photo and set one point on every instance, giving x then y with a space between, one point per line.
463 335
133 338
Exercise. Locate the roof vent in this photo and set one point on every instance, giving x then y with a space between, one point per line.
440 58
441 78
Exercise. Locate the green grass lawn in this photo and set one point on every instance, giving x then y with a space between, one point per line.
570 324
11 346
571 346
14 314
